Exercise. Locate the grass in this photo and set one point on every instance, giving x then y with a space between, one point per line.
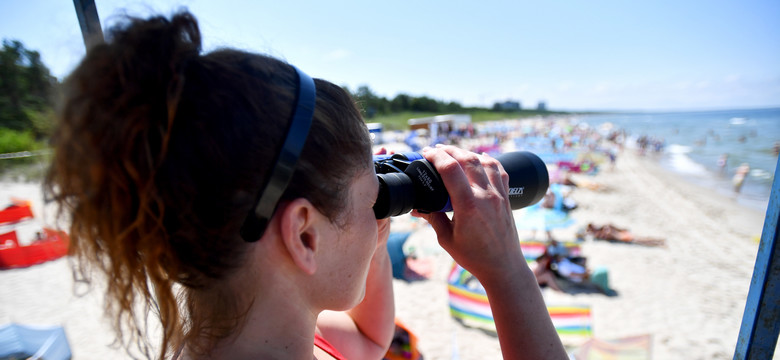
21 169
398 121
29 170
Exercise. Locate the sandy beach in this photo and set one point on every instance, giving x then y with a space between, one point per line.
689 296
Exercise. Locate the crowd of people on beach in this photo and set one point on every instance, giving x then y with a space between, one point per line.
568 147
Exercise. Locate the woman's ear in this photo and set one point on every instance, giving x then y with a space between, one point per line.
299 221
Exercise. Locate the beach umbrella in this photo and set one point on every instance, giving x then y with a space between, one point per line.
33 342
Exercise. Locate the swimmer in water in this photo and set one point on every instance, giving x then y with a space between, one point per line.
739 177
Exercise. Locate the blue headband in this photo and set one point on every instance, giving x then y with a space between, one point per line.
282 172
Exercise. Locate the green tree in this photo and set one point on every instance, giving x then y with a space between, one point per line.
425 104
401 102
453 106
371 103
26 89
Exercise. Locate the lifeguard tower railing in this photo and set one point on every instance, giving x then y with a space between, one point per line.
761 319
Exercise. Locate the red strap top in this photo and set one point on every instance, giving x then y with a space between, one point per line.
323 344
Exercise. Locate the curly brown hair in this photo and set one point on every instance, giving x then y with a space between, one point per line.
160 153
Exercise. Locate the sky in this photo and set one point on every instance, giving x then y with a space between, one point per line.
575 55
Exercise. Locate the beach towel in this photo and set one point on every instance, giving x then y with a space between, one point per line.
467 299
469 304
628 348
572 322
536 217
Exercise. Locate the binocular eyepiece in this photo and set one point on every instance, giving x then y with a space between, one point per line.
407 181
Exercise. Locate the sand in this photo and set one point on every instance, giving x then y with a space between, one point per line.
689 296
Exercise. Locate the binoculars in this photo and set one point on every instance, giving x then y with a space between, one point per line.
407 181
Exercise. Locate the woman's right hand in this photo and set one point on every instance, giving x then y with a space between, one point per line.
481 236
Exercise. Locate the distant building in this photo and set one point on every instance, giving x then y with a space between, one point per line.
507 106
452 121
542 106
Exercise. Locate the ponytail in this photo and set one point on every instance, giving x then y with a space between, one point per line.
119 109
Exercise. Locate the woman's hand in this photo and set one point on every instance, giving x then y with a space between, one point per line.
481 236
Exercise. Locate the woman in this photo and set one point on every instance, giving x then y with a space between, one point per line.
233 197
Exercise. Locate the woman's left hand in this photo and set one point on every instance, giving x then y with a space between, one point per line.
383 225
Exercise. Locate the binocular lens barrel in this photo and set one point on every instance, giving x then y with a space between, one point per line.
407 181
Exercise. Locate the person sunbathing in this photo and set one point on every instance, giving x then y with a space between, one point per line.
544 275
611 232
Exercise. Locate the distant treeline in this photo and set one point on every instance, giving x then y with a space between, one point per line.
373 105
27 92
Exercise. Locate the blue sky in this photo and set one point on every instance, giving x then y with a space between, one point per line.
575 55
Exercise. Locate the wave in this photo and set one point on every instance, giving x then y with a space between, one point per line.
737 120
761 174
678 149
681 163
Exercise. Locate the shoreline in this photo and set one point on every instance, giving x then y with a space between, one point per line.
694 143
719 183
712 194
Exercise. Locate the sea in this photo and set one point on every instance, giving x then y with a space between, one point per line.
693 142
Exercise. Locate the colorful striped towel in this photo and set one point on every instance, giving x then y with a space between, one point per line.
571 320
469 303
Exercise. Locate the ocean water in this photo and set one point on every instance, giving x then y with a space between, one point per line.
694 142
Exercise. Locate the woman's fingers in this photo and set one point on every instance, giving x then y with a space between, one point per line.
481 233
496 174
470 163
452 174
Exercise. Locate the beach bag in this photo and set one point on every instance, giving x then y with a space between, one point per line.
600 277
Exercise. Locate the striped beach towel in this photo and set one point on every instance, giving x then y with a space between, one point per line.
571 320
469 303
